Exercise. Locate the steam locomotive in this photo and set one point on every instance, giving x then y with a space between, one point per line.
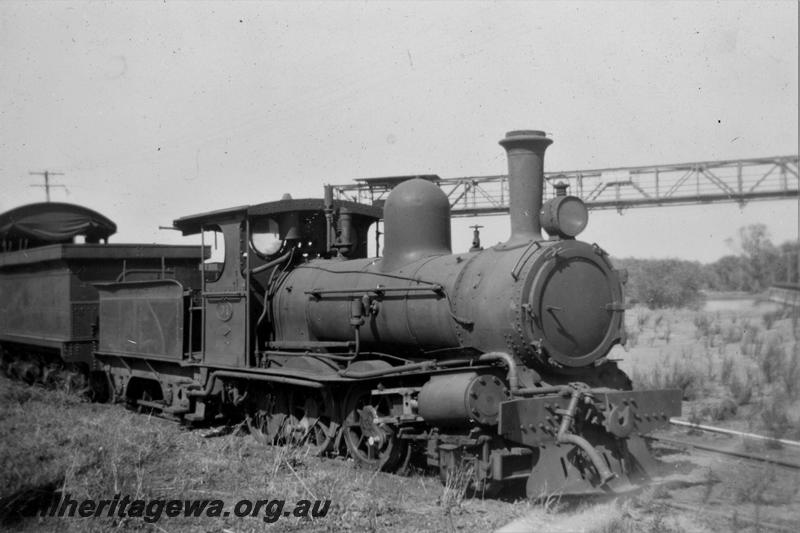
491 362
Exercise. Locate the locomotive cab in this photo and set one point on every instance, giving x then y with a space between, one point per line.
261 243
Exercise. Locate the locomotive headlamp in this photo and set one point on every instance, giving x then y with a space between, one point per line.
564 216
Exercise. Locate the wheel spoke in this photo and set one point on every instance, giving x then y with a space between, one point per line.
305 426
386 451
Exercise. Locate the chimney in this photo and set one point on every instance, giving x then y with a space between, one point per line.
525 150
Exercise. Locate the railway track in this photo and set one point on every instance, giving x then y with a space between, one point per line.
764 458
755 489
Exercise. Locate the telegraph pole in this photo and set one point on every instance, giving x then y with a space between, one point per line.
47 185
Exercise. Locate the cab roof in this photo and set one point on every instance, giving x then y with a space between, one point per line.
46 223
192 224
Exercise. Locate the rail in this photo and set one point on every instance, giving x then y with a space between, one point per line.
733 453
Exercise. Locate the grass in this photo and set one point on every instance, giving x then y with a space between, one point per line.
740 365
455 486
643 513
53 443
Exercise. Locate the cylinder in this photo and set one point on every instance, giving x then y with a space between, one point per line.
457 400
525 149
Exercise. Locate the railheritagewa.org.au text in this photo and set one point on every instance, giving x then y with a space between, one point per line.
153 510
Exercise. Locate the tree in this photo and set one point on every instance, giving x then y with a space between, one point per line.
659 283
729 273
787 268
762 257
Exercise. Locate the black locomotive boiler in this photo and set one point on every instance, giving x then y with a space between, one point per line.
491 362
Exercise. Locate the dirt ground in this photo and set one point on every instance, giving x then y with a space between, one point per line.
51 441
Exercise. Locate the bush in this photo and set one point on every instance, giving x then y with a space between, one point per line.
734 333
702 325
742 391
721 409
775 418
773 361
791 374
771 317
673 373
751 341
726 372
662 283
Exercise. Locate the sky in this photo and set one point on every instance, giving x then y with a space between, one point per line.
157 110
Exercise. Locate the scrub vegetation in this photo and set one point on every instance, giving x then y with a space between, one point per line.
739 366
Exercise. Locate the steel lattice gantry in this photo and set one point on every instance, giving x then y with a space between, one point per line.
738 181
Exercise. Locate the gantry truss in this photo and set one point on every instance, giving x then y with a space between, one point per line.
738 181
